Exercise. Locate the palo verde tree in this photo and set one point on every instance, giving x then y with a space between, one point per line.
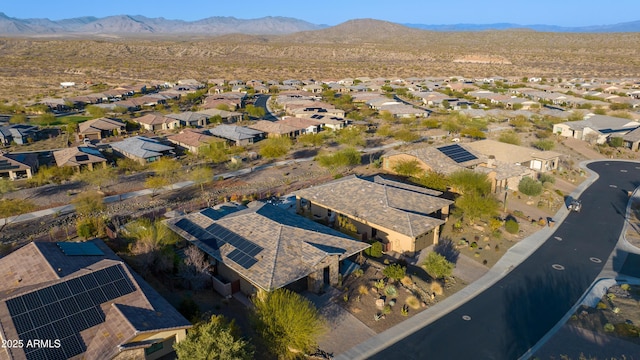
217 338
475 201
407 167
437 266
275 147
150 243
288 325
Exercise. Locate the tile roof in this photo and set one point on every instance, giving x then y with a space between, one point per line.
510 153
275 127
602 122
392 206
233 132
632 136
438 161
154 119
140 147
17 162
291 245
188 116
94 304
192 138
100 124
79 155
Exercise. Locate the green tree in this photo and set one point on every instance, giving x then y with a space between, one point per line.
255 111
384 130
408 167
511 226
95 111
87 203
351 136
473 133
616 141
395 271
45 119
217 338
312 139
544 145
275 147
509 137
437 266
150 243
287 323
155 183
474 206
433 180
18 119
530 186
215 154
406 135
99 177
6 186
14 207
166 168
387 116
468 181
339 159
90 226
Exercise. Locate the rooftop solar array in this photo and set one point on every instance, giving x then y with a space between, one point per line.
82 158
457 153
6 165
215 236
63 310
80 249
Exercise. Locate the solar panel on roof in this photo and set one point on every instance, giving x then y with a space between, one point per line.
210 213
80 249
457 153
235 240
82 158
242 259
67 308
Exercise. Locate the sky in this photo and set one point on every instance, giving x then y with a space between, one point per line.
333 12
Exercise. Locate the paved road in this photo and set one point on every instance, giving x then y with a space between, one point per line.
511 316
261 101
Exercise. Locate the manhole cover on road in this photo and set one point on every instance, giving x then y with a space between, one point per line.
557 238
557 267
623 170
466 317
595 260
613 186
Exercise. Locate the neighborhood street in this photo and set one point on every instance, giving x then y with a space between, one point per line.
509 318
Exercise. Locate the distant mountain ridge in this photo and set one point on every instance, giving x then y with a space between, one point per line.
272 25
137 24
633 26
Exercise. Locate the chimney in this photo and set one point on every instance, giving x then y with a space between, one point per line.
491 162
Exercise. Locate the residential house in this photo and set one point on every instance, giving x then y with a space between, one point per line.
540 161
405 218
403 110
80 157
20 134
17 166
225 116
312 110
195 140
330 122
190 118
157 122
232 100
85 303
448 159
308 126
631 140
100 128
237 135
597 128
266 247
278 128
141 149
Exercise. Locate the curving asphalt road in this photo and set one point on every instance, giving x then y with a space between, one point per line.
511 316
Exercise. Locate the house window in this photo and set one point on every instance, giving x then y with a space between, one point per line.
153 348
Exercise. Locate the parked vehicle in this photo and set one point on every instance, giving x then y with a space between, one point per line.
575 205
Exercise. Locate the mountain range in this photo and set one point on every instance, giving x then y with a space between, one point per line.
140 25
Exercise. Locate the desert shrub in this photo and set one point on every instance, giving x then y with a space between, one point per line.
509 137
437 266
608 327
625 287
601 306
380 284
495 224
391 291
511 226
404 311
406 281
375 250
544 145
386 310
547 178
363 290
275 147
358 273
339 159
189 309
530 187
395 271
436 288
407 167
611 296
413 302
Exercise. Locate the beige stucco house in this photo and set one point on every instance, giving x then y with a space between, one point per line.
403 217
